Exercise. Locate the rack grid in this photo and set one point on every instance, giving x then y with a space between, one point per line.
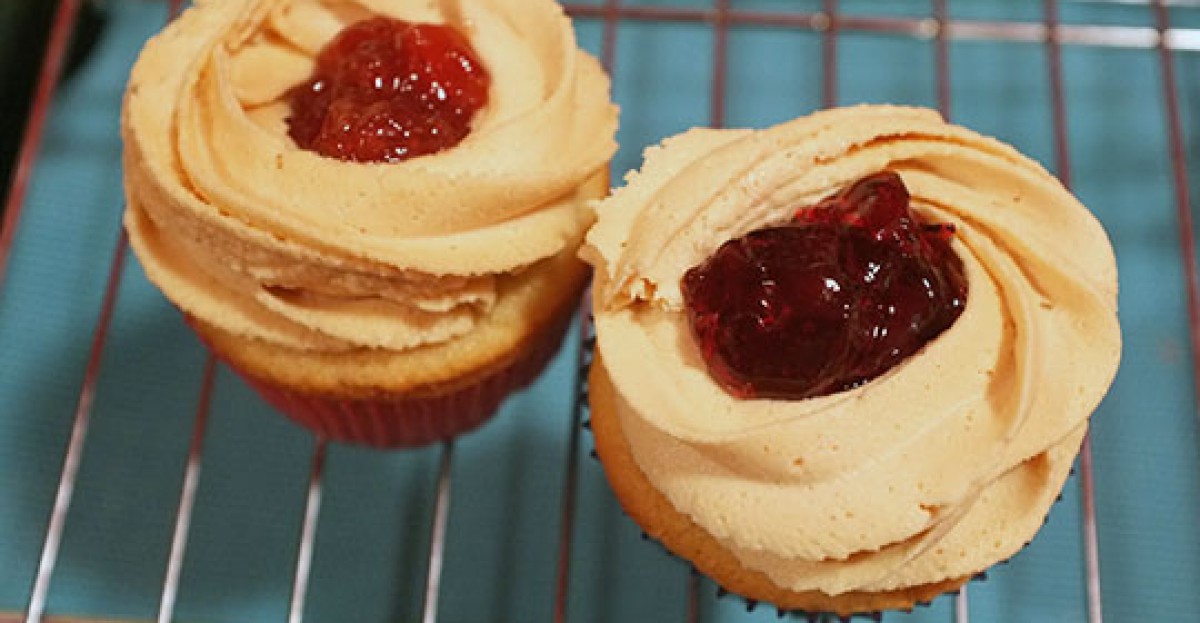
826 20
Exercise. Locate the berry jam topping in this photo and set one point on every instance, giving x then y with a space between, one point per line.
832 299
385 90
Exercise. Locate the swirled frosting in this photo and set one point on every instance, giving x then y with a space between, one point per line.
937 469
244 230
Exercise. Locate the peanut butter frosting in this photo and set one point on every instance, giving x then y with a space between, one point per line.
243 229
937 469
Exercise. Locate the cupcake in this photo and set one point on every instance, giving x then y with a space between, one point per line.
844 364
370 209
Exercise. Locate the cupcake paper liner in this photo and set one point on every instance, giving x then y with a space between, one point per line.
415 420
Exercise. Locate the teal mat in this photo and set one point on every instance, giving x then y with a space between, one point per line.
508 478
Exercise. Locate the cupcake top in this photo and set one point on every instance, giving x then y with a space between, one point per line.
939 467
243 228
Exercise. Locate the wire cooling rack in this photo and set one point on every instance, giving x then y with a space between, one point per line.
139 480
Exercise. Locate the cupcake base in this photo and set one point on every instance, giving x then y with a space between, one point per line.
390 399
408 421
651 510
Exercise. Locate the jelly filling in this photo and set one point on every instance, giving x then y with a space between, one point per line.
386 90
828 301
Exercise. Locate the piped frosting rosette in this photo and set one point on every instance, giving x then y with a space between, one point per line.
935 470
244 230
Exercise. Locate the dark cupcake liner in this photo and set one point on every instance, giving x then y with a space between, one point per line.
823 617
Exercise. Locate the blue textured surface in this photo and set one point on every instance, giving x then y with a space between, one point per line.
508 477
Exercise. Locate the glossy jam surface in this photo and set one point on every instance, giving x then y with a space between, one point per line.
832 299
386 90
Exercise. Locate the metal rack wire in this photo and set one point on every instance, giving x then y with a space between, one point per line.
830 23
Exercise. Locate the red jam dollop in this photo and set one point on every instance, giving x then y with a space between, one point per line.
386 90
826 302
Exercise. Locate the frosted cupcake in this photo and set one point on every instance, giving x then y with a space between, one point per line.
369 209
845 364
